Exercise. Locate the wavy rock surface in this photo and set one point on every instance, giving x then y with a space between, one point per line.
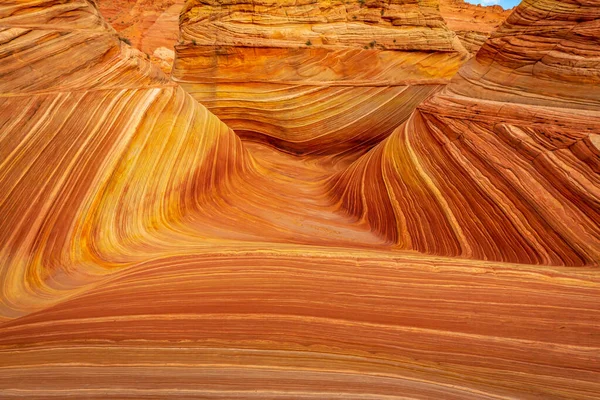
503 164
87 122
147 252
472 23
324 77
132 167
313 324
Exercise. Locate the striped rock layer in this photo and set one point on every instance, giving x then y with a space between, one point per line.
96 147
321 77
502 164
148 253
313 323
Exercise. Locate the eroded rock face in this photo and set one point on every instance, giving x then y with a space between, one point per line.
472 23
304 77
149 25
545 54
502 163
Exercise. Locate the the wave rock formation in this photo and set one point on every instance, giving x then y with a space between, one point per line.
148 251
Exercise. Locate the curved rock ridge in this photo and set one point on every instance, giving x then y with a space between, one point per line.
547 53
95 151
59 15
504 163
310 78
88 60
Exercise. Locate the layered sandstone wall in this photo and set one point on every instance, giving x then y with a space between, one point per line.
472 23
146 252
265 23
304 78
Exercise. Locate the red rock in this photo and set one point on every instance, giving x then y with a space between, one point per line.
472 23
147 252
500 165
148 25
323 78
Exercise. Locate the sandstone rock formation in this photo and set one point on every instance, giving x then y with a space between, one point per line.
503 163
147 252
316 324
86 123
472 23
150 25
325 77
153 26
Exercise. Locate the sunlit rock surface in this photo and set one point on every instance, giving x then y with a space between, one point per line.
321 77
472 23
147 252
503 163
150 25
98 150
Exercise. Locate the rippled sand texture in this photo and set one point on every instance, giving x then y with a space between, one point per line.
321 77
146 252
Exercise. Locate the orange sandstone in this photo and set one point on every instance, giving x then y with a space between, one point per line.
147 252
503 163
472 23
151 26
324 77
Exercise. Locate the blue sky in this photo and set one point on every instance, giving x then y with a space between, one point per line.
504 3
